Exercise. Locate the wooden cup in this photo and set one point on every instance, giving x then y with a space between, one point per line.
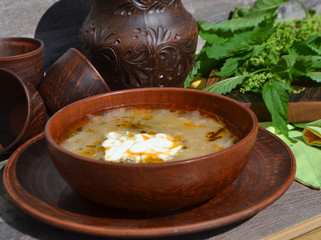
23 56
71 78
23 113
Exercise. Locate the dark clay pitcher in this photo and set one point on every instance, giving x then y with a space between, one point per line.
140 43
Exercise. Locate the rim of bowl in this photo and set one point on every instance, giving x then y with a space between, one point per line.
36 51
27 96
252 132
80 54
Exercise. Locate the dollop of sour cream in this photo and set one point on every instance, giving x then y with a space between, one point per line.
139 147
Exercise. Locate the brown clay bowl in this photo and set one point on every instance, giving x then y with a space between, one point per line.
23 113
154 187
23 56
71 78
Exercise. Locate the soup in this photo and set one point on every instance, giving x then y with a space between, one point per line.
149 135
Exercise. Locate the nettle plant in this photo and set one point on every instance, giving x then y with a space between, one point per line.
255 52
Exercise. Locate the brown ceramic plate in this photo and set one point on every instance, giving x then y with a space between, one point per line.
36 187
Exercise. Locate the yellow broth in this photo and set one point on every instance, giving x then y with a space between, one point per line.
196 133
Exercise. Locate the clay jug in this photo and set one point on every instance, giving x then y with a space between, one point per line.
139 43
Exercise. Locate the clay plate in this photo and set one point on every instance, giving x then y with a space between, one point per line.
36 187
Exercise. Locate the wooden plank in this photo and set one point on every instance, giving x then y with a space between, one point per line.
314 235
310 229
304 112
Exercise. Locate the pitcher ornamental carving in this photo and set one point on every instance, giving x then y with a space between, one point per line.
140 43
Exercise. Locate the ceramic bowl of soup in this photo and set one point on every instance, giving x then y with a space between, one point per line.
151 149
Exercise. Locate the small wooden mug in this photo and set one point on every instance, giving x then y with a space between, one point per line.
23 56
71 78
23 112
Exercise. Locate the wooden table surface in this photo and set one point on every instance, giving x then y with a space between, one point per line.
296 213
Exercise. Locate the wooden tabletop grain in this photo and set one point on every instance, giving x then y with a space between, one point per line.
295 214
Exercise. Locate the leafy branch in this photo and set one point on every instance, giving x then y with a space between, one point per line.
253 52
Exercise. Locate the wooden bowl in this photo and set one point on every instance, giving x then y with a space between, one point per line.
23 56
23 113
153 187
71 78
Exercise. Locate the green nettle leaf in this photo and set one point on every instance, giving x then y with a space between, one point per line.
192 74
284 66
285 63
226 86
276 100
302 48
267 5
273 58
316 62
312 12
262 10
315 42
212 38
240 12
303 65
257 50
314 49
239 42
312 46
316 76
229 68
231 65
201 67
253 20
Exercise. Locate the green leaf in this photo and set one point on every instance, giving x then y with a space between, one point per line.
285 63
213 37
312 46
226 86
232 65
316 62
239 42
303 49
312 12
273 58
284 66
314 42
237 24
316 76
314 39
240 12
192 74
303 65
201 67
261 11
257 50
276 100
229 68
267 5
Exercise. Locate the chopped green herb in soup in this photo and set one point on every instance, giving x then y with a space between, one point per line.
139 135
